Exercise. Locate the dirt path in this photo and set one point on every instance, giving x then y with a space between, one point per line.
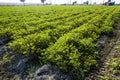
3 70
109 61
15 66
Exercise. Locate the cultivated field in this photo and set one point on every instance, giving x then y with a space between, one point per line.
64 36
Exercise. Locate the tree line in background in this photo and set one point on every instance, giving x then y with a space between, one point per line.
109 2
43 1
23 1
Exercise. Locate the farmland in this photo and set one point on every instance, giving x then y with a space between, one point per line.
64 36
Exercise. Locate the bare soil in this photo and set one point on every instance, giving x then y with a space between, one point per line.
104 71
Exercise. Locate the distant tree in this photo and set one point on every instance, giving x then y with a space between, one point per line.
86 3
75 2
103 1
23 1
109 0
43 1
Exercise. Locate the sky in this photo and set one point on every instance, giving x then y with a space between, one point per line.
55 1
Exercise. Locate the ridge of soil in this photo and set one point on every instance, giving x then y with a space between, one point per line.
110 51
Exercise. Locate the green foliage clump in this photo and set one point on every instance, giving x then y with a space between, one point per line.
32 44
